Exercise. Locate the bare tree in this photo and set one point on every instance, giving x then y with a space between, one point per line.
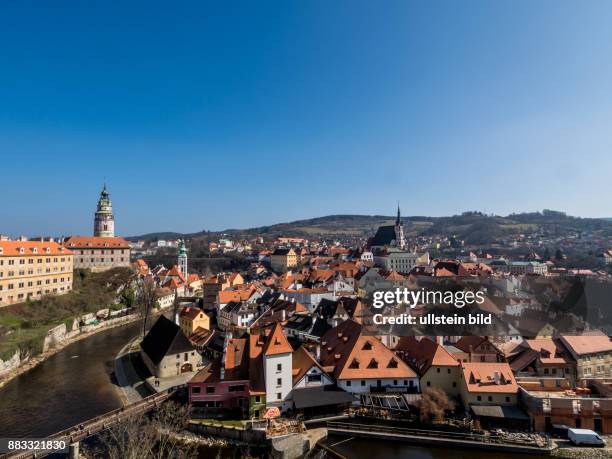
434 404
148 437
146 300
130 439
170 418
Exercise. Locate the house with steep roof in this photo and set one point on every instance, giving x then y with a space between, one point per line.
435 366
191 318
361 363
167 352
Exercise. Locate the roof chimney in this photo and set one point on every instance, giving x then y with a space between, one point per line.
318 353
497 377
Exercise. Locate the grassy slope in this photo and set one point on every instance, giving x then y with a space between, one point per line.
24 325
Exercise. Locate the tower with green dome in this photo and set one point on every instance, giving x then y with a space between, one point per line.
104 220
182 257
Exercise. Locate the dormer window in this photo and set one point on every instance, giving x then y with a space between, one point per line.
373 364
367 346
393 363
21 250
47 249
354 364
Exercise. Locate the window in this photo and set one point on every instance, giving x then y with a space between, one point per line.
454 384
236 388
490 398
448 371
210 389
279 396
438 370
195 389
507 399
363 382
313 378
479 398
348 384
279 382
257 399
279 367
428 383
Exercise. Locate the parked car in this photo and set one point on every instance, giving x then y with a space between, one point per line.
585 437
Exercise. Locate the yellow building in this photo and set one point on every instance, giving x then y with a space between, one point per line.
31 269
191 319
283 259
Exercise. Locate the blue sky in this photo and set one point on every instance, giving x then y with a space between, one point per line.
239 114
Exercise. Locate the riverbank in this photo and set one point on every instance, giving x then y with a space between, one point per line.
88 331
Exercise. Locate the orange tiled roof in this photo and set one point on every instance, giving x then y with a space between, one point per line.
480 377
588 343
31 248
95 242
191 313
277 342
354 356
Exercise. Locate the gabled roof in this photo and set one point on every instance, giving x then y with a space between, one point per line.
277 343
424 353
303 361
353 356
191 313
384 236
164 338
256 375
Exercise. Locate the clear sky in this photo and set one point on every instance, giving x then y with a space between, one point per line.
238 114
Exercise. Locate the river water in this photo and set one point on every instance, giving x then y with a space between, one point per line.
76 384
68 388
378 449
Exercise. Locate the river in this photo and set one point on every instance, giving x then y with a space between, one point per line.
69 387
378 449
75 384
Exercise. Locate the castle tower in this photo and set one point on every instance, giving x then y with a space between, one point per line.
104 221
400 241
182 258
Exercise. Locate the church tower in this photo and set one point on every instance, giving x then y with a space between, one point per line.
104 221
182 258
400 241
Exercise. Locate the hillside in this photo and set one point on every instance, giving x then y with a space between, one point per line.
474 227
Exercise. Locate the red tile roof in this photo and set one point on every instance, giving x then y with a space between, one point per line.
95 242
277 342
31 248
481 377
588 343
354 356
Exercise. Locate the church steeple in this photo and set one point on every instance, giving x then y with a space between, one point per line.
104 220
400 241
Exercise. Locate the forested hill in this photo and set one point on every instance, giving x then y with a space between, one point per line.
471 226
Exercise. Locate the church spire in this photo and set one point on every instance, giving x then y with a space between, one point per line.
400 241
